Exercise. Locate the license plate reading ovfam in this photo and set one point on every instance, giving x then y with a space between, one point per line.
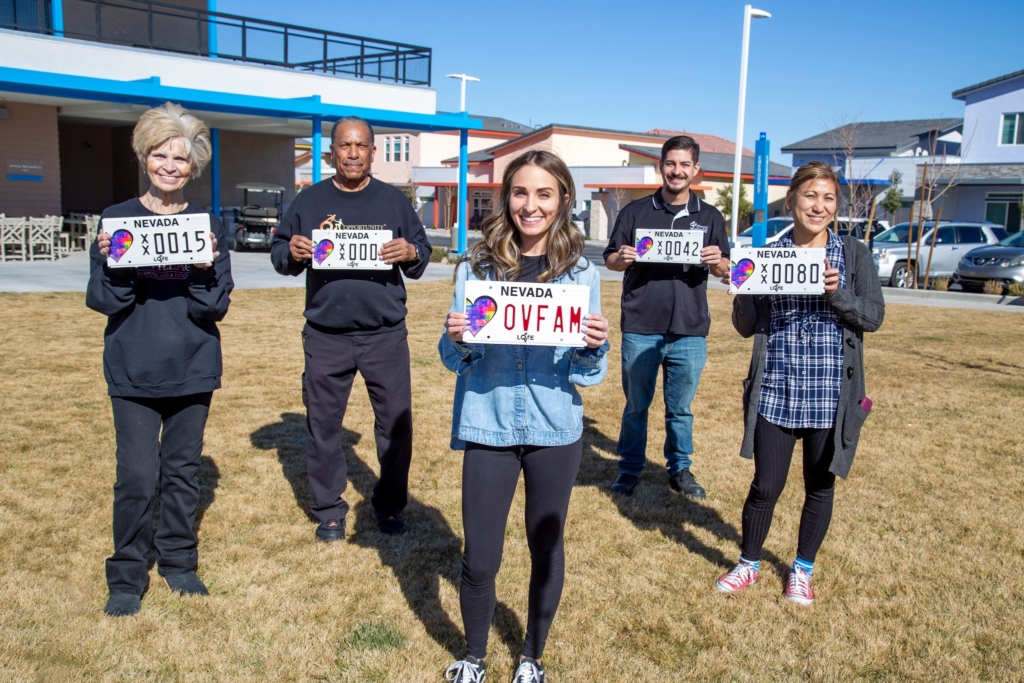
777 271
530 313
668 246
350 249
159 240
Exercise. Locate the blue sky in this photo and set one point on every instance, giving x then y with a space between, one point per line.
652 64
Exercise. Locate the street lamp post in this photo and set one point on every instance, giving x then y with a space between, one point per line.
748 13
458 244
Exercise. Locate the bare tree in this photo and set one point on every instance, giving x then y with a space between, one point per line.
621 195
859 195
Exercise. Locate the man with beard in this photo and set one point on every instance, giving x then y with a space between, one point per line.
665 319
355 321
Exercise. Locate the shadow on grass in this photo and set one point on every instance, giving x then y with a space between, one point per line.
661 509
420 560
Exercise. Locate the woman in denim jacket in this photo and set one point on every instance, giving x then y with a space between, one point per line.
516 408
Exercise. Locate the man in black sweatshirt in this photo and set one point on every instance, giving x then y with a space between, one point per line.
355 321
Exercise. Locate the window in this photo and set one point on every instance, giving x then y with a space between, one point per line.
945 236
1013 130
406 148
970 234
1004 208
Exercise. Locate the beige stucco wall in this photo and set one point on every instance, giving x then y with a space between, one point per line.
30 134
579 148
425 149
248 157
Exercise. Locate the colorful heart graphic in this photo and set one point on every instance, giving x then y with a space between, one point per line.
322 250
480 312
119 243
644 246
741 271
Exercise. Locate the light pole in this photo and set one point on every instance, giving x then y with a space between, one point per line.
458 244
748 13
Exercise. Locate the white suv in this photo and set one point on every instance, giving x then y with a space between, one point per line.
952 241
779 227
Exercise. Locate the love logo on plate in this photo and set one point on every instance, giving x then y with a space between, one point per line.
741 271
644 246
480 313
120 241
322 250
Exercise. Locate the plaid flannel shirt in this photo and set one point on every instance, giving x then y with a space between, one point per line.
803 370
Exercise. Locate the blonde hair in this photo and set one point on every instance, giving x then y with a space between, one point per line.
815 170
499 250
171 121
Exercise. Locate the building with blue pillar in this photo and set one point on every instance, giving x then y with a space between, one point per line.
75 75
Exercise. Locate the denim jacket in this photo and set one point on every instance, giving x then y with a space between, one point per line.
508 394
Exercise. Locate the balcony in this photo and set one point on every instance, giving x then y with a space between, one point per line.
195 31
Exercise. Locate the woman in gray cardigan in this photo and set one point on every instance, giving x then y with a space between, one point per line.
806 381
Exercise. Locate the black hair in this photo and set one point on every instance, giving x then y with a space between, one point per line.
351 119
684 142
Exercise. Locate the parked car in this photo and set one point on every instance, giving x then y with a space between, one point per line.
1003 262
952 241
259 216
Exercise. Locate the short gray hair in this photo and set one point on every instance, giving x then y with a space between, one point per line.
171 121
351 119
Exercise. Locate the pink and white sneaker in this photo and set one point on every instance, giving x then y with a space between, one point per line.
798 587
738 578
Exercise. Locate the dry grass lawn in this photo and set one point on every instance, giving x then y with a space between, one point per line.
920 578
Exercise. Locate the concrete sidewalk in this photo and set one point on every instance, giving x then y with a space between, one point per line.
252 270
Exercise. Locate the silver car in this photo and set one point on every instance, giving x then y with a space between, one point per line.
952 241
1003 262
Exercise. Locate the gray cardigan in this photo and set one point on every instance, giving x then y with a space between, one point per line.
861 308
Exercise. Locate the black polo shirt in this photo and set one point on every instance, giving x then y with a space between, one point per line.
667 298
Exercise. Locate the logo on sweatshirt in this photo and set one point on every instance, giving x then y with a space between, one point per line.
332 222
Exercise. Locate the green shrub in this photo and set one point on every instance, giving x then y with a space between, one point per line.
437 254
993 287
940 284
1016 289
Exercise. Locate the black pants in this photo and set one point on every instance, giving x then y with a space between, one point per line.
331 364
489 478
773 452
150 463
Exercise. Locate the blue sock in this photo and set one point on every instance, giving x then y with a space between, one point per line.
756 564
803 565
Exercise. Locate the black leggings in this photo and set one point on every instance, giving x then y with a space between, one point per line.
489 478
773 452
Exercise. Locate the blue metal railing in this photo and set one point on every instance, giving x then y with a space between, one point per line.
176 28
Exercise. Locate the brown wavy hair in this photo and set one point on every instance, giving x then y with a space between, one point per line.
500 250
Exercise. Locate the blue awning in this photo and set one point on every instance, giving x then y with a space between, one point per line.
151 92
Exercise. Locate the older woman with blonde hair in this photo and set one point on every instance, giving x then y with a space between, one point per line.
162 362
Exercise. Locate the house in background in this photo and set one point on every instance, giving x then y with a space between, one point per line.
609 167
991 180
879 148
76 75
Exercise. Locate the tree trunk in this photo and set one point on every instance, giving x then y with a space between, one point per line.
920 221
931 249
910 234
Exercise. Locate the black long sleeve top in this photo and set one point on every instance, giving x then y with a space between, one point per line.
161 338
357 302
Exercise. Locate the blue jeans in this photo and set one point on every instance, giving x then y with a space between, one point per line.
681 359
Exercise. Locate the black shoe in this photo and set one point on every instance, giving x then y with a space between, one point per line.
684 482
123 605
624 484
331 530
392 525
186 584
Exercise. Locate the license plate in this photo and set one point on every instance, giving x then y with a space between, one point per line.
529 313
159 240
668 246
350 249
777 271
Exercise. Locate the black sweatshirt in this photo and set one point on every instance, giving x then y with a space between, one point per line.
161 338
352 301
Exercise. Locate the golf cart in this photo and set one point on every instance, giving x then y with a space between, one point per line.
259 216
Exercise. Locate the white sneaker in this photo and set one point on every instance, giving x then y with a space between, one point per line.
529 672
465 671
